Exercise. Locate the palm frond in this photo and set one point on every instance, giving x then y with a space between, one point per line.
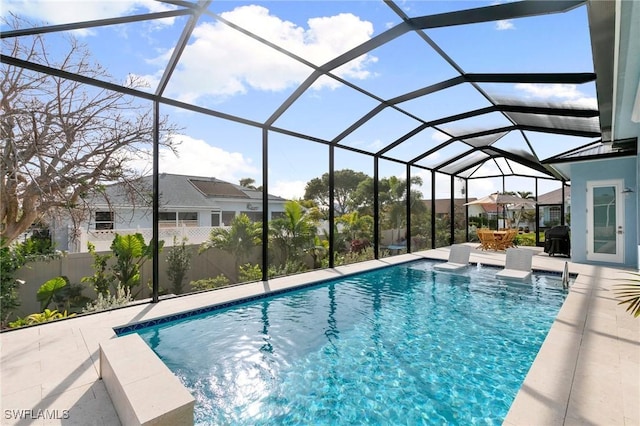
629 293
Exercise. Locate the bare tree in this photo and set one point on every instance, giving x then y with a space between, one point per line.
62 140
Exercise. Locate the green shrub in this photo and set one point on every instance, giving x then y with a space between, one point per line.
288 268
11 260
179 262
525 239
353 257
210 283
122 297
100 280
249 272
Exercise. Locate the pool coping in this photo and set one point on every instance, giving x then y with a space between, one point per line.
136 326
586 372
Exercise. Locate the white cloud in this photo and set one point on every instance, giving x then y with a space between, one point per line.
376 145
236 63
198 158
568 93
439 136
288 189
505 24
63 12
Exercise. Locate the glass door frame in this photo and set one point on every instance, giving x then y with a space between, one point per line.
618 256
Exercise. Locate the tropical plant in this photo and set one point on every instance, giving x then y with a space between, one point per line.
239 240
629 292
131 252
392 196
100 280
49 289
356 226
293 233
527 195
70 298
179 262
40 317
318 252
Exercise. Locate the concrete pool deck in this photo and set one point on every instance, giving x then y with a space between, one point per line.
587 371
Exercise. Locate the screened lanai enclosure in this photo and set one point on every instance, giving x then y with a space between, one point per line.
258 139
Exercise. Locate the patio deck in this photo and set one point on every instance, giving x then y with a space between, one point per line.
587 371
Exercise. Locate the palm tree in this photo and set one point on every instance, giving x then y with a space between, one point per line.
521 214
294 232
527 195
238 240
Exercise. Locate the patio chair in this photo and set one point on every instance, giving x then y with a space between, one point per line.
487 239
517 265
507 240
458 259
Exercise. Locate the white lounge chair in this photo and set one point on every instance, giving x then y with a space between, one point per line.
517 265
458 259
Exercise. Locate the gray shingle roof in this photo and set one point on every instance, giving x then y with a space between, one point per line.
187 191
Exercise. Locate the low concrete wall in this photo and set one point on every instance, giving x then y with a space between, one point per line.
143 390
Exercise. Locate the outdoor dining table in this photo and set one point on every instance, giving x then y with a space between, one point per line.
502 239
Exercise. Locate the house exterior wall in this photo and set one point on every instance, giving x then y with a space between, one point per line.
621 168
129 220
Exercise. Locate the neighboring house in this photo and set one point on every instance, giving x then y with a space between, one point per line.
550 207
443 206
190 206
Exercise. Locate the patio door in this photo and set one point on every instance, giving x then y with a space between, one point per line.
605 233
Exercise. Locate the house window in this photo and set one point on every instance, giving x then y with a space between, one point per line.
254 216
222 218
104 221
215 219
191 216
167 216
554 216
227 217
183 218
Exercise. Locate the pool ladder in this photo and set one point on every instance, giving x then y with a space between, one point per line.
565 275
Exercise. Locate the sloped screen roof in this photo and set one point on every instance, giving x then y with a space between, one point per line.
415 77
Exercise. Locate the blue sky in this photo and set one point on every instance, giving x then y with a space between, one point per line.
224 70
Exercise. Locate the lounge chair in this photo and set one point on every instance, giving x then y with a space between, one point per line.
517 265
458 258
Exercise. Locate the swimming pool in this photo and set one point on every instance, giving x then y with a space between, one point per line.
398 345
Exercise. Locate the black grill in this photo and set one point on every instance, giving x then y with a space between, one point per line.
556 241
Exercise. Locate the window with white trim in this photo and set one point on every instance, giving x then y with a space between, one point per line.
104 220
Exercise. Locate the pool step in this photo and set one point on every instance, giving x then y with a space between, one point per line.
143 390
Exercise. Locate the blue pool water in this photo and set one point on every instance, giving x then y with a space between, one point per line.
400 345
